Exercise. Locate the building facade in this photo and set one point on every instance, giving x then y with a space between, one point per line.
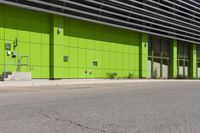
56 39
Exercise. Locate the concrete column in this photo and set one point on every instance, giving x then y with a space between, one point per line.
173 59
57 38
144 56
193 61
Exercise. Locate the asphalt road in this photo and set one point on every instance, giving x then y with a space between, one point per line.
163 107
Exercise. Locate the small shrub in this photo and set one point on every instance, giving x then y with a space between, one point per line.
111 75
130 76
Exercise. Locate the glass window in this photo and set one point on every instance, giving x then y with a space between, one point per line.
150 46
165 47
180 51
198 52
186 51
156 46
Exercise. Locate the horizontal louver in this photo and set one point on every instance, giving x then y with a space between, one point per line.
177 19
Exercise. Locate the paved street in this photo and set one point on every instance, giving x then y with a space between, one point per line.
159 107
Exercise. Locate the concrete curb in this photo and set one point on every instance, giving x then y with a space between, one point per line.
81 81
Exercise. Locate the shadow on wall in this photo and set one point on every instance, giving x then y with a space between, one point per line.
92 31
21 20
32 31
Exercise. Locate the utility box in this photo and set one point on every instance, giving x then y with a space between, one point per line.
65 58
8 46
14 54
8 53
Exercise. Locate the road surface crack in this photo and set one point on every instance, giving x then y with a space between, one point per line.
57 117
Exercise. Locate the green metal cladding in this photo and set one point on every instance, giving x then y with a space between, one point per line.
59 47
114 50
32 30
173 61
46 39
193 62
144 56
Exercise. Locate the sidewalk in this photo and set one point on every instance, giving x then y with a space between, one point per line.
45 82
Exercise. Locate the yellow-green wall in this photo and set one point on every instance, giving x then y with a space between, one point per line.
116 50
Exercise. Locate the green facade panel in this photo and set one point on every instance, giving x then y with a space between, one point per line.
92 50
2 18
193 61
143 67
173 61
30 31
113 50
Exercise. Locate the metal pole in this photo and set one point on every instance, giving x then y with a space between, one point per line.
4 64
